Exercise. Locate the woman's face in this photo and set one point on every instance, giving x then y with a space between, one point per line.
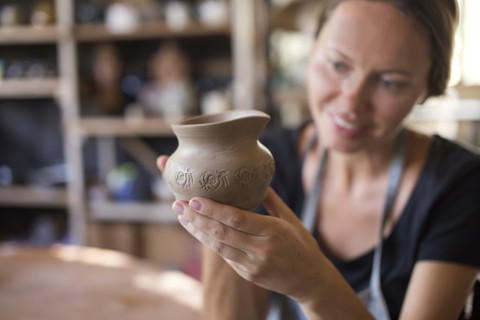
368 67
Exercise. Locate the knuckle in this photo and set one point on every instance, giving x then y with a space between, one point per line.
257 273
236 220
249 277
219 232
260 269
218 247
208 209
263 257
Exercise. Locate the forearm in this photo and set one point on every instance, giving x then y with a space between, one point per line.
332 298
227 296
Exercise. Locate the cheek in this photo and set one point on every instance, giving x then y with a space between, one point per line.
393 113
394 108
321 87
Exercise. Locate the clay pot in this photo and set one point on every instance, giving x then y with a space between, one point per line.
219 157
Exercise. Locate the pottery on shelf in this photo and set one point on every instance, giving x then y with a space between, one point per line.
219 157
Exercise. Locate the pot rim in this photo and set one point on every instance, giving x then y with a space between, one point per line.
222 117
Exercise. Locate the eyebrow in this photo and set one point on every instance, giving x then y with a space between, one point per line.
339 52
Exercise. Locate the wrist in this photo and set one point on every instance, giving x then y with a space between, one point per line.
329 296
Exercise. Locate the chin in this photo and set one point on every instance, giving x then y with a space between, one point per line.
349 148
336 143
366 141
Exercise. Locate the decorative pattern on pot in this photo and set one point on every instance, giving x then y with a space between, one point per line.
213 180
268 170
184 178
245 176
219 157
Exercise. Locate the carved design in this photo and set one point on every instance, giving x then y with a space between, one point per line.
212 180
268 169
244 175
184 178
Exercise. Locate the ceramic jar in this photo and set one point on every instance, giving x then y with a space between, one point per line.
219 157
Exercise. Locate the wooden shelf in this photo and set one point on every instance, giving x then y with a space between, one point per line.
99 32
116 126
28 35
243 64
155 212
463 110
29 88
33 196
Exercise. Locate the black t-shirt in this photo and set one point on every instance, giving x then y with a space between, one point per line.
441 220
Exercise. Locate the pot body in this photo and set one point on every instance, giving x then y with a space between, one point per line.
219 157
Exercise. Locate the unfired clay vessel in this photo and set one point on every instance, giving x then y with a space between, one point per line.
219 157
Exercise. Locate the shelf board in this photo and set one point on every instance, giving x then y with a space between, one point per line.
151 30
154 212
28 35
461 110
29 88
117 126
33 196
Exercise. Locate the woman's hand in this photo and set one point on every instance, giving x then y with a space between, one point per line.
275 252
226 294
270 251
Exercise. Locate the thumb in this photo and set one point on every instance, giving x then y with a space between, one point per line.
161 162
277 208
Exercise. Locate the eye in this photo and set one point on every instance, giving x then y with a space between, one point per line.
338 66
390 84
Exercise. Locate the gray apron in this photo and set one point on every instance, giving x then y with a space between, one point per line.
371 297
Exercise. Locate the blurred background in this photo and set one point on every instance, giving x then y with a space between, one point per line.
88 89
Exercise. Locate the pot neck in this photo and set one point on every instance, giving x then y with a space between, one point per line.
246 129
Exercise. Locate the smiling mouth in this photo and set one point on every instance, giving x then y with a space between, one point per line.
348 129
345 124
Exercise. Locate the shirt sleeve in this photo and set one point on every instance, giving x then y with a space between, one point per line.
452 232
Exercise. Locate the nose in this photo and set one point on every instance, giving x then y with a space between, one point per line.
355 93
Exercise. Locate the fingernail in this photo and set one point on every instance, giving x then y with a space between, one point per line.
196 205
178 208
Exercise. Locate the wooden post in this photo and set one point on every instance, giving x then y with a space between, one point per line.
68 100
249 53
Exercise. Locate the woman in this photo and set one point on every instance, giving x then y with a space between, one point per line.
393 213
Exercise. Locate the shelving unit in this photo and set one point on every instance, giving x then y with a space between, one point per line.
114 126
100 33
244 65
132 212
33 196
31 88
28 35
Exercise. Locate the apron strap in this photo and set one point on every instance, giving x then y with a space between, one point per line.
309 216
309 211
394 178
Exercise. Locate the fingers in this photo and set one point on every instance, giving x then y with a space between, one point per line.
225 241
241 220
220 248
235 234
161 162
277 208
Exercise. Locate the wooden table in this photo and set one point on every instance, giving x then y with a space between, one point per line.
68 282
